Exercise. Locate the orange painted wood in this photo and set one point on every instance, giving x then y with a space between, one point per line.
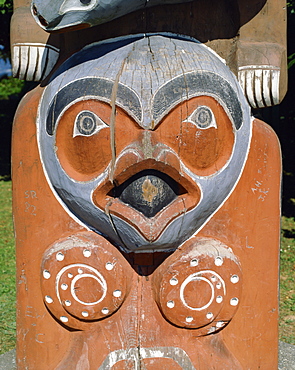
103 281
248 223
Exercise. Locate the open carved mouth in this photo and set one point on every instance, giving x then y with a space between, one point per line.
148 192
150 199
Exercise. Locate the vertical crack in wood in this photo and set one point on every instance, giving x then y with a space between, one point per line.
187 94
107 212
182 219
113 121
152 61
131 328
140 305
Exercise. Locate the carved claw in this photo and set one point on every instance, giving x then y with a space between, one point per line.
260 85
33 61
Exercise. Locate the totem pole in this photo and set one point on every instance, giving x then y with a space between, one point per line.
146 196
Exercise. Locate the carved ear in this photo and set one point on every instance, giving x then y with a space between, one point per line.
262 57
34 51
262 73
32 61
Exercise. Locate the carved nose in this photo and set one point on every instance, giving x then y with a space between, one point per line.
148 192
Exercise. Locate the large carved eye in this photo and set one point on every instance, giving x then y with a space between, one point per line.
85 2
202 117
87 124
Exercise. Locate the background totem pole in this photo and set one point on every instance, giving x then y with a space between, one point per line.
146 196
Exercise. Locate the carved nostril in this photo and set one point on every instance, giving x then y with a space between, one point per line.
42 20
35 12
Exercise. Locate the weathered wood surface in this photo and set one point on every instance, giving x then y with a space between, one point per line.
104 282
249 35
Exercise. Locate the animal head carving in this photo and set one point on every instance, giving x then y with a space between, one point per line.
65 14
146 151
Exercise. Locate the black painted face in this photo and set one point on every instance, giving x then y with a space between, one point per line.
158 140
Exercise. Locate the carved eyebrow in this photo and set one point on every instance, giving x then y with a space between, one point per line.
99 88
194 84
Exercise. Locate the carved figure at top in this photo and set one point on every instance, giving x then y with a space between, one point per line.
250 35
63 14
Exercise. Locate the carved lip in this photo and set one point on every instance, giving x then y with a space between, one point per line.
144 175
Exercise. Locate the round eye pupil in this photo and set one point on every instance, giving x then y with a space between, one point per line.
86 123
203 117
85 2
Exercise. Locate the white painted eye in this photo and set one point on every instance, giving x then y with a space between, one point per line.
202 117
87 124
76 5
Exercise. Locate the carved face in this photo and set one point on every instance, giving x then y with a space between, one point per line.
146 152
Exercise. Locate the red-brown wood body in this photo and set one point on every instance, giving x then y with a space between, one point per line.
248 223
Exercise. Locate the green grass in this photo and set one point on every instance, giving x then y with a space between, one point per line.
7 275
287 281
7 270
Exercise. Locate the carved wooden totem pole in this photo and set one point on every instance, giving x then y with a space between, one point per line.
146 196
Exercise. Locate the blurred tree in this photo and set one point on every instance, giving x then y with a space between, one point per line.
6 8
286 131
11 91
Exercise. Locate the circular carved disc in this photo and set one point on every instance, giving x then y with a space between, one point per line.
82 279
199 286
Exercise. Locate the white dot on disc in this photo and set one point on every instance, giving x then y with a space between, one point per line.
87 253
109 266
173 281
219 299
170 304
46 274
209 315
218 261
234 301
117 293
60 256
48 299
194 262
234 279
